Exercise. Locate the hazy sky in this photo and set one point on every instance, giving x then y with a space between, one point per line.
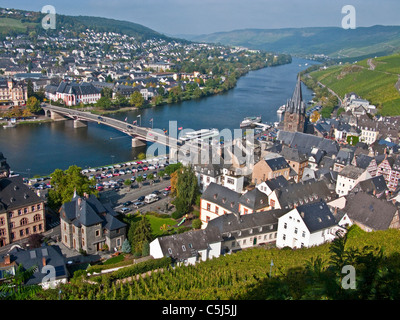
207 16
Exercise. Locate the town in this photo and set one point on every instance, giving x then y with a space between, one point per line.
310 178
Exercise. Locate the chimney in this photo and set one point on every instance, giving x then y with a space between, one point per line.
86 195
44 261
79 201
7 259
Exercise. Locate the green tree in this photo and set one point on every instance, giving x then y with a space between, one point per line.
126 247
66 182
186 189
106 92
13 286
142 234
104 103
136 99
33 105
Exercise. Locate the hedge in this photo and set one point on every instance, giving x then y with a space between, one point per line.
138 268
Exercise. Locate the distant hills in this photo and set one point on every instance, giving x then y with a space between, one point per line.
13 22
335 42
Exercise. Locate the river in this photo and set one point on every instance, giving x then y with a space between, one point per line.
39 149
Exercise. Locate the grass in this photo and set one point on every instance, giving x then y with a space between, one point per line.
156 223
377 86
9 23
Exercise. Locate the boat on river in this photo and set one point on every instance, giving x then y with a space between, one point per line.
250 122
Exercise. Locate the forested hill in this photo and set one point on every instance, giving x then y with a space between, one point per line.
334 42
20 21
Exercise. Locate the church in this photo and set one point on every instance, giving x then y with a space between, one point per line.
294 119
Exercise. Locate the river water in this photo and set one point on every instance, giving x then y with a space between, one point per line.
39 149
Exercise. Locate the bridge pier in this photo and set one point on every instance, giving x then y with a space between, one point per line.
137 143
80 124
56 116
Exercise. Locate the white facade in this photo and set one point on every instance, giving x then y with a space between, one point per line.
368 135
345 184
294 233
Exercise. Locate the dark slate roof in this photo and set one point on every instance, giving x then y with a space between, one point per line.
293 154
254 199
306 142
14 194
363 161
222 196
278 182
89 212
77 88
305 192
34 257
317 216
373 185
351 172
369 210
296 104
229 225
277 163
344 156
186 245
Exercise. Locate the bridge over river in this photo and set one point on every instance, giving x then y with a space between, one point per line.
190 151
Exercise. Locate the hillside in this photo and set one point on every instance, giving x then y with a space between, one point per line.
307 273
21 21
376 84
331 41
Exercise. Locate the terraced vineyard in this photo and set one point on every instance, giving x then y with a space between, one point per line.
248 274
377 85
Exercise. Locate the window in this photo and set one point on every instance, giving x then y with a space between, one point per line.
295 230
97 233
303 234
233 244
183 248
169 251
284 237
2 232
216 209
23 221
285 225
2 221
208 207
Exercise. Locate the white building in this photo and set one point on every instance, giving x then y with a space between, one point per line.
306 226
189 247
348 177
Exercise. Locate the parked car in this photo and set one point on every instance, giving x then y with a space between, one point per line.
141 199
127 203
167 188
138 204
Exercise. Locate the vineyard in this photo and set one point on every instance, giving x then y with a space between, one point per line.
247 274
377 86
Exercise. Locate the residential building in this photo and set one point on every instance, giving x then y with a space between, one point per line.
241 232
12 93
22 212
307 225
87 224
272 166
72 93
371 213
218 200
348 177
48 260
297 160
189 247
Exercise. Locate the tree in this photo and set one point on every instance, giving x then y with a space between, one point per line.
186 189
106 92
13 287
35 240
136 99
65 183
196 224
126 247
104 103
142 234
33 105
139 180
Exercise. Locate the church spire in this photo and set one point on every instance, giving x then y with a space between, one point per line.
297 98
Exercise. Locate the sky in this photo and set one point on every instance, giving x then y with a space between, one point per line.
175 17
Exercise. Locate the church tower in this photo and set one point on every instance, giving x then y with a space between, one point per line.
295 111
